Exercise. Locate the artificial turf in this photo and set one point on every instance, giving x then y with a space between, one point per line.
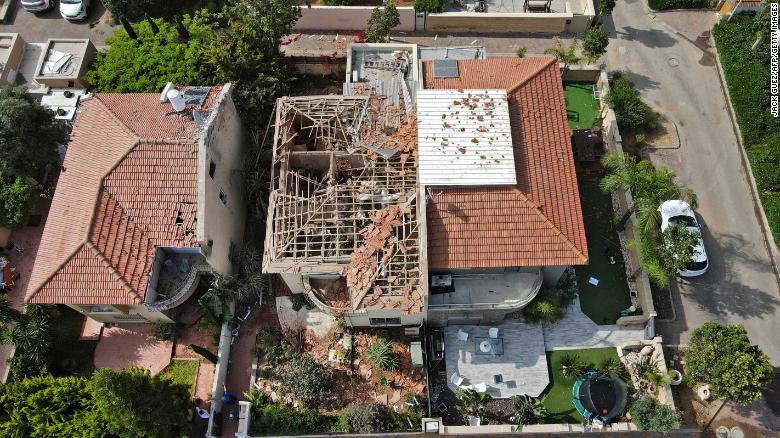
581 108
182 372
557 397
603 302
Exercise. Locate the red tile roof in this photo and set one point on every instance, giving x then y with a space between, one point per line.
130 171
539 221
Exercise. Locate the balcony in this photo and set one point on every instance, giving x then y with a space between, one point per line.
511 290
174 277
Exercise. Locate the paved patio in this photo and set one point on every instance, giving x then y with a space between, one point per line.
576 331
523 364
126 344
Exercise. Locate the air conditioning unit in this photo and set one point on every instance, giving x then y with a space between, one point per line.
441 280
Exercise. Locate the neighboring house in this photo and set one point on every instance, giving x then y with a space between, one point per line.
497 238
148 200
451 202
11 52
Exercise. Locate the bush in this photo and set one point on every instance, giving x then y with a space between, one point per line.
299 301
281 419
747 76
339 2
520 52
615 366
550 305
661 5
572 366
305 379
381 354
431 6
208 355
528 410
721 355
595 42
161 332
401 421
15 202
366 418
630 110
765 161
649 415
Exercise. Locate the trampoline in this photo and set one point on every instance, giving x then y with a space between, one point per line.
599 396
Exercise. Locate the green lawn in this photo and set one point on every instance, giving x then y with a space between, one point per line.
557 398
581 107
604 302
183 372
71 356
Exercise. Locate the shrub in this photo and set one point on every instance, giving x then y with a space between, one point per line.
431 6
615 366
606 7
630 110
472 402
161 331
572 367
550 305
208 355
595 42
520 52
282 419
721 355
15 202
401 421
381 354
339 2
649 415
660 5
366 417
381 22
306 379
765 162
299 301
528 410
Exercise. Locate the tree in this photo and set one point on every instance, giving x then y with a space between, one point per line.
595 42
630 111
381 22
675 252
15 202
32 337
122 10
649 415
528 410
248 55
606 7
135 403
566 56
366 418
49 406
572 366
430 6
649 187
721 355
29 135
146 65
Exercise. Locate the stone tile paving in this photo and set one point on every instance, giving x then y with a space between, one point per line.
523 364
577 331
126 344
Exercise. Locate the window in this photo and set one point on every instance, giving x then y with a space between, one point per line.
384 321
223 197
102 309
212 169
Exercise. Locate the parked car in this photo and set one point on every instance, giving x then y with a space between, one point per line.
679 213
36 6
74 10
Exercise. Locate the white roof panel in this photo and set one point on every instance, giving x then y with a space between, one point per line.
464 138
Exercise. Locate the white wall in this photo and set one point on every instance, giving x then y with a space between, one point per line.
121 317
346 18
224 146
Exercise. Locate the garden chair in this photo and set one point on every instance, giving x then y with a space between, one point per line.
462 336
493 332
456 379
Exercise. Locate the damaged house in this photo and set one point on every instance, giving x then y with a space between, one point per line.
447 196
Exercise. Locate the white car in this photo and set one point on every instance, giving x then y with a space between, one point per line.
74 10
36 6
678 212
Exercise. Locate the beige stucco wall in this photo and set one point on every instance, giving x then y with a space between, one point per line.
222 142
78 79
347 18
15 53
142 315
497 22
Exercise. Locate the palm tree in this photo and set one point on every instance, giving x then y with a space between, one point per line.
572 367
649 187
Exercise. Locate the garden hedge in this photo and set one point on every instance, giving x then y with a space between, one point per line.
661 5
747 78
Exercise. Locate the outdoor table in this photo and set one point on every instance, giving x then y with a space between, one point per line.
496 346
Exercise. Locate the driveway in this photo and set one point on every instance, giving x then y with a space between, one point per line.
669 56
39 28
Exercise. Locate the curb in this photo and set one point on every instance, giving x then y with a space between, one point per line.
666 147
769 240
